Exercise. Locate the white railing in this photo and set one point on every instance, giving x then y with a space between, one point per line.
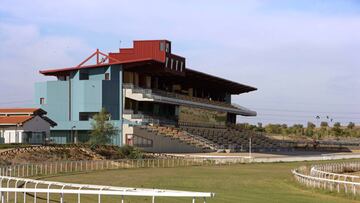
331 176
174 98
15 188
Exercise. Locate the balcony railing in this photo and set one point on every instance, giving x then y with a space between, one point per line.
170 97
150 92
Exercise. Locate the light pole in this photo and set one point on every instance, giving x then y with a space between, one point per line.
250 147
72 134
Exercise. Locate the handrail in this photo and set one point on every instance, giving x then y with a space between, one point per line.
148 93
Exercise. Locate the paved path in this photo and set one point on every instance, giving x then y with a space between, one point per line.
277 157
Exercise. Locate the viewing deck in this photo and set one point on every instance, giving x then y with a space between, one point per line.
143 94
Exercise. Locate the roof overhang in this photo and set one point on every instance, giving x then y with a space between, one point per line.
231 86
126 64
144 64
20 111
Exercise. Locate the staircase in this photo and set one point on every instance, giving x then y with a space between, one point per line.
170 137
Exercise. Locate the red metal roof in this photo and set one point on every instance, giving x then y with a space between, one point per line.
59 70
141 49
146 52
14 120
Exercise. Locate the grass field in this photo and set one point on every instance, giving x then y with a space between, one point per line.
254 183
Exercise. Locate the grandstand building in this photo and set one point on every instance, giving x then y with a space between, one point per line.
157 102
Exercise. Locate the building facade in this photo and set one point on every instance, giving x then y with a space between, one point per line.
139 86
24 125
76 96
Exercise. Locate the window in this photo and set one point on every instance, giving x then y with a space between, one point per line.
85 116
42 100
176 66
139 141
166 62
171 64
167 48
162 46
107 76
62 78
84 76
181 66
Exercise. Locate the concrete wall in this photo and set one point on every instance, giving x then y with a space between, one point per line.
164 144
56 99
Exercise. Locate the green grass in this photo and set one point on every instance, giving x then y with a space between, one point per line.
271 182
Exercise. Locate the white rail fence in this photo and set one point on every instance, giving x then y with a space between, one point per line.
51 168
15 187
331 176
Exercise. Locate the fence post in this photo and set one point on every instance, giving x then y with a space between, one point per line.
15 193
24 192
35 193
62 198
48 195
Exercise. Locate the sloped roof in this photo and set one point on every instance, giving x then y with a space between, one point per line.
22 110
14 120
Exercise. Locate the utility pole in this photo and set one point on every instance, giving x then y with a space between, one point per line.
72 135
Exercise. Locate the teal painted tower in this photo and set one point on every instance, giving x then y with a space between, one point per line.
78 94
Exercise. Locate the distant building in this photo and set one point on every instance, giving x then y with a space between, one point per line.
24 125
138 86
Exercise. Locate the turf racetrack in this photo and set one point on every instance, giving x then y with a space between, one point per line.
270 182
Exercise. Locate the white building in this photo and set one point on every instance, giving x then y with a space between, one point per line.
24 125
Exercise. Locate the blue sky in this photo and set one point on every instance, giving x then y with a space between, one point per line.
302 55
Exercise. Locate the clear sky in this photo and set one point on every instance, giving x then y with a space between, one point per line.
303 56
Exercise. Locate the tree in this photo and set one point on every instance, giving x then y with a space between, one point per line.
284 129
273 128
351 129
310 129
324 124
351 125
259 128
102 128
298 129
337 129
323 129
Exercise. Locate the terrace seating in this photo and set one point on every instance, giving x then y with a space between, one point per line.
183 136
236 139
213 139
